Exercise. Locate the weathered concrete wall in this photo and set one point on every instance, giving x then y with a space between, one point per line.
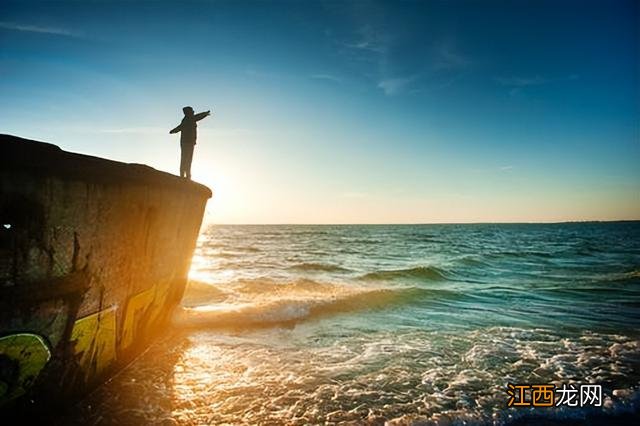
94 255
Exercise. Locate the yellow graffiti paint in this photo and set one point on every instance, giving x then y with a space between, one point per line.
159 300
28 353
143 311
94 339
136 309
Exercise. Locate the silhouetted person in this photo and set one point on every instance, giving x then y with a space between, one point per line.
188 135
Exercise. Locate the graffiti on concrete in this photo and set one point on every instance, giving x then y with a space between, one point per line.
94 338
159 300
22 358
136 310
143 311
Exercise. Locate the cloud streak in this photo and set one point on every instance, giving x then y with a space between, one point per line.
326 77
390 57
517 84
370 40
136 130
373 45
395 86
12 26
216 131
521 81
449 58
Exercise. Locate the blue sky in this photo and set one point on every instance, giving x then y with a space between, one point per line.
346 112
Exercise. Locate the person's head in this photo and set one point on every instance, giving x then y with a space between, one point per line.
188 111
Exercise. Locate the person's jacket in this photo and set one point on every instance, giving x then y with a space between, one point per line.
189 129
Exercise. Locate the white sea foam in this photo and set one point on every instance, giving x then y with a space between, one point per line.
250 303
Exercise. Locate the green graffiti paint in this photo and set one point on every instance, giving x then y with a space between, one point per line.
22 358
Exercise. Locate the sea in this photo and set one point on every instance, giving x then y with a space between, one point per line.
392 324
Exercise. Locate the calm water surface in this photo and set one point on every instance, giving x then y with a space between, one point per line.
399 324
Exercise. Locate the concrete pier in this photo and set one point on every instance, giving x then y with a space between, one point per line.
94 256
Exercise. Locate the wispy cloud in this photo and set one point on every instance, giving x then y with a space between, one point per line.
253 72
327 77
227 131
135 130
506 168
448 57
517 84
370 39
368 45
395 59
215 131
12 26
374 45
521 81
395 86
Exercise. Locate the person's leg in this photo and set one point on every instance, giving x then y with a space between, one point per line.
188 160
183 160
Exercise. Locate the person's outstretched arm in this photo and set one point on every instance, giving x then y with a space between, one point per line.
199 116
176 130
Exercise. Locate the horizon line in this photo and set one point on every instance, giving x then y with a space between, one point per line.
430 223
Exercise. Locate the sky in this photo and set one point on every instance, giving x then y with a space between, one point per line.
345 112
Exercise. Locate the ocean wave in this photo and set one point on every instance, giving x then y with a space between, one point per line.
223 255
260 303
427 273
473 261
622 276
318 267
357 241
522 254
425 238
198 292
248 249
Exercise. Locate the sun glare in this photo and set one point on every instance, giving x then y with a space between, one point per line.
226 185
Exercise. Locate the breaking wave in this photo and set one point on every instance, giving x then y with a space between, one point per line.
318 267
256 303
428 273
